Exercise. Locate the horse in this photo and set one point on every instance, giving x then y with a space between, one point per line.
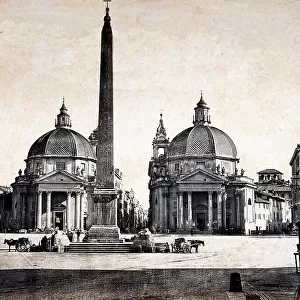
195 244
20 244
11 242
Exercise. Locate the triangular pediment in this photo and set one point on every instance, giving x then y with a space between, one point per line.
201 175
58 176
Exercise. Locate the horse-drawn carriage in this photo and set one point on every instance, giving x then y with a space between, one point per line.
21 244
181 245
144 242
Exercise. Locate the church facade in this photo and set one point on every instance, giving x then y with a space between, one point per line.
194 180
56 186
52 190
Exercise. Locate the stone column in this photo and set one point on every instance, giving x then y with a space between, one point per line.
81 212
68 204
238 215
166 216
190 217
23 210
39 210
48 211
77 210
210 212
224 209
162 211
219 200
181 210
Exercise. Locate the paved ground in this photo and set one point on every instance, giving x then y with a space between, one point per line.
266 265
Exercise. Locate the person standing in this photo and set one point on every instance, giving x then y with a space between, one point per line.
78 235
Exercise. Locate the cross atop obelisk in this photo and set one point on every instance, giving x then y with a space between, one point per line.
104 226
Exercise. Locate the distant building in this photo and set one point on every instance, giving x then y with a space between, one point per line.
272 188
131 215
294 163
5 208
194 181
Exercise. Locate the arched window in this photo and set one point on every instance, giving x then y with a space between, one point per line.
249 201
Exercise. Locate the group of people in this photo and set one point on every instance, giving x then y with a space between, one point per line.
60 239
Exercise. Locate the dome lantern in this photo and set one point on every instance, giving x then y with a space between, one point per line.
201 113
63 119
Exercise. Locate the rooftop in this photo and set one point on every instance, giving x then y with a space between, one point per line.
269 171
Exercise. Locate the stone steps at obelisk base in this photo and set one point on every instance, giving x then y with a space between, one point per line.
99 247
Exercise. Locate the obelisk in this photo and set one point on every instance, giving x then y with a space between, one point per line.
104 228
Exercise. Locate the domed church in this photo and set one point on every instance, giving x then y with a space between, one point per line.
194 180
52 190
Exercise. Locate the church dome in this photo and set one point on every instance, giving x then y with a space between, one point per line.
202 140
62 142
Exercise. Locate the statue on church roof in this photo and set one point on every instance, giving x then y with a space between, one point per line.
242 172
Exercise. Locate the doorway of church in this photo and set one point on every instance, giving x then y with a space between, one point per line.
59 220
201 222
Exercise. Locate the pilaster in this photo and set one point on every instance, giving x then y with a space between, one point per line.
224 196
77 210
39 210
68 210
210 212
190 208
219 203
48 210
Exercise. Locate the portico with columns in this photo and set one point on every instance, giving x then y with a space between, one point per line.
60 202
201 201
202 210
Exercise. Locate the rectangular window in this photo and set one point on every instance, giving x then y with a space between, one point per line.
264 216
83 166
60 165
176 167
259 216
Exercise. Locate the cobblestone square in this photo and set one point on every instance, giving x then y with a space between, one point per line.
266 265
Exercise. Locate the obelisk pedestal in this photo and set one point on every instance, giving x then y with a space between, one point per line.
105 229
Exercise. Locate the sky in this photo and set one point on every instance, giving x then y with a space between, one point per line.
243 54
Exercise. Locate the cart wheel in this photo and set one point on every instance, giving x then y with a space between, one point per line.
186 249
22 248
